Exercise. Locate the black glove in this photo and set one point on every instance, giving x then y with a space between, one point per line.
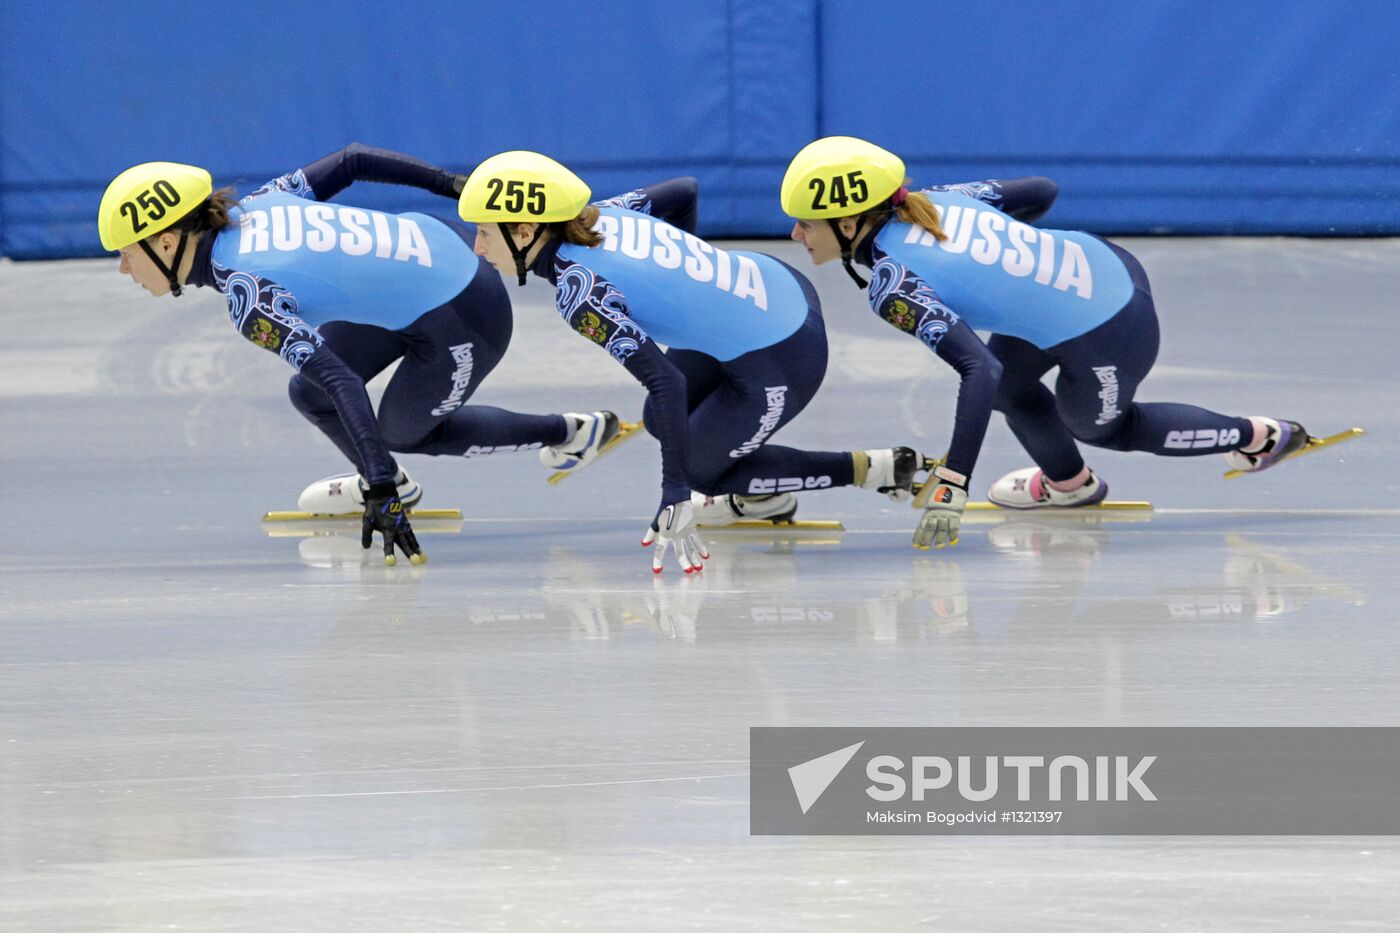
385 514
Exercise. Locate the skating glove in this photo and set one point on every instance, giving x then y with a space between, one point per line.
674 526
385 514
943 499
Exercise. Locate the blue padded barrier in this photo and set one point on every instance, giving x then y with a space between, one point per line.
1154 116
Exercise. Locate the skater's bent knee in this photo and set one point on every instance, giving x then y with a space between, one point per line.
306 396
404 439
1115 435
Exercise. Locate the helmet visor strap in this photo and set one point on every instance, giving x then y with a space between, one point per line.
170 272
516 252
846 251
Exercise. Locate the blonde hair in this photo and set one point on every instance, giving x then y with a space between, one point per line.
918 210
915 209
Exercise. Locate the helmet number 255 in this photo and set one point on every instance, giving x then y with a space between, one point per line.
516 193
843 190
153 201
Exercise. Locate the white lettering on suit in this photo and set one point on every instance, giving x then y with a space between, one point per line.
322 228
1072 273
648 240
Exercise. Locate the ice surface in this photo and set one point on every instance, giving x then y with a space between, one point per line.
203 727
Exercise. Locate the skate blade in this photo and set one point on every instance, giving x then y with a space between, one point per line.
759 525
1059 518
417 515
625 431
320 528
1314 445
1108 505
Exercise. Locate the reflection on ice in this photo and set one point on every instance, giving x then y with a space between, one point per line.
1062 565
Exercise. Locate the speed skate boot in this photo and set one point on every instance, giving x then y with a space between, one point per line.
587 435
336 495
889 470
731 508
1281 438
1028 489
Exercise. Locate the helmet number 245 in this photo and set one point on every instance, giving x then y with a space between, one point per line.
838 194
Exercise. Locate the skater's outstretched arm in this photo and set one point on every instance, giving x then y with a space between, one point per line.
674 201
1025 199
674 523
595 309
265 313
328 176
979 372
907 302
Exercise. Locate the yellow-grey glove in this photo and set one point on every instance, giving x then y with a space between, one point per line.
943 498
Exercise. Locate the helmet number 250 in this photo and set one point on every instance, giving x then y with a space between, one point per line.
154 205
516 193
843 190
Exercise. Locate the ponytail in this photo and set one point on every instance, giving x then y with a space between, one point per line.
579 231
918 210
910 207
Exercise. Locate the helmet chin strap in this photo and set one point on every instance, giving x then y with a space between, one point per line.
516 252
846 250
170 272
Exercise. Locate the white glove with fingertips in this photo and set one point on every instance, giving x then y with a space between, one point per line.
674 526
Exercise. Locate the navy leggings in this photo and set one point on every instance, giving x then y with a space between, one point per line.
1093 399
445 355
736 406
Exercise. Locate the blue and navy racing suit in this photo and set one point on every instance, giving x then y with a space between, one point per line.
341 292
745 338
1050 298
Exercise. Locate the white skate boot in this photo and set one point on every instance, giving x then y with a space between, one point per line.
1281 439
728 509
1028 489
891 471
589 432
338 495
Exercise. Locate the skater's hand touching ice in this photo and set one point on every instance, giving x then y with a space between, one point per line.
385 514
674 526
943 499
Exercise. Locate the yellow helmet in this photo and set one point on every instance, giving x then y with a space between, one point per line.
148 198
522 187
838 176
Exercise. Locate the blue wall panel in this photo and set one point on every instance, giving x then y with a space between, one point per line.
624 92
1182 115
1178 115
